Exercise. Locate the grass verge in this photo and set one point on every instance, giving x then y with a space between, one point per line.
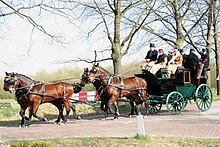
123 142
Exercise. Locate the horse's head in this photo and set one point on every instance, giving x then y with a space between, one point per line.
97 72
85 77
11 82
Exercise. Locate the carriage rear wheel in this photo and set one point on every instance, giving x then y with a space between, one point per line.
154 108
175 102
203 97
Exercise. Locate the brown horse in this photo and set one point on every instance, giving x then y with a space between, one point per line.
133 88
28 94
104 98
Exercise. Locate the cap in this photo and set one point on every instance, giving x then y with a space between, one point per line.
152 45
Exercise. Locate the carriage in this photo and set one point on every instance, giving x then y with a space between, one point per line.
175 91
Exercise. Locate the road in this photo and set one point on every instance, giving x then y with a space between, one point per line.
189 124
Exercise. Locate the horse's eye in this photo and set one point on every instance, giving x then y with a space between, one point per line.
94 70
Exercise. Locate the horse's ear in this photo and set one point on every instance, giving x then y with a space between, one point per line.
86 69
6 73
97 64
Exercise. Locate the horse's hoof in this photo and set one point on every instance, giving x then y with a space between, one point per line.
78 117
56 122
44 119
104 118
23 126
116 117
130 115
61 123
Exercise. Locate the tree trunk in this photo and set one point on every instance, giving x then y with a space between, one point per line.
209 34
116 49
217 50
179 28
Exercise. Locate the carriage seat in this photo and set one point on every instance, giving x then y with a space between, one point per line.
183 76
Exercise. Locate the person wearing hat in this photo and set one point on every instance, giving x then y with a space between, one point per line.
150 57
160 63
152 53
192 61
205 60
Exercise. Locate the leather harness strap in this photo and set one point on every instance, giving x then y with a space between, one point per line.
43 92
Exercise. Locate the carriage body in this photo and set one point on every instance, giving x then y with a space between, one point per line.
175 91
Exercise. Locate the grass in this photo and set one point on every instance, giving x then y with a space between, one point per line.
122 142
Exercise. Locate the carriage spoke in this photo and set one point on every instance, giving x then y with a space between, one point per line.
203 97
175 102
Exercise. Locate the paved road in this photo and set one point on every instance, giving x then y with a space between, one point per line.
190 124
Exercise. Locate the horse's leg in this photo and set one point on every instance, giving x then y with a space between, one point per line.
67 106
22 114
74 109
132 108
115 107
60 109
104 108
34 111
138 105
146 107
30 115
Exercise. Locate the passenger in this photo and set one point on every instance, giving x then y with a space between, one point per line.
192 61
150 57
204 62
174 62
160 63
170 55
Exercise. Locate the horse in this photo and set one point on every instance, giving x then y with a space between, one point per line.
22 85
133 88
104 98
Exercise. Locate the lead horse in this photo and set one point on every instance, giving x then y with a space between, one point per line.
28 95
133 88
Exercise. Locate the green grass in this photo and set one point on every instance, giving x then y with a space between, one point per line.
122 142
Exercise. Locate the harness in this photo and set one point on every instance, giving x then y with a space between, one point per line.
42 94
121 87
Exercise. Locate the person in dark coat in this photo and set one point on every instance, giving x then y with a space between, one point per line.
205 60
160 63
152 53
192 61
150 58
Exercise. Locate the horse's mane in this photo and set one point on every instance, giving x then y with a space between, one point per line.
26 77
104 69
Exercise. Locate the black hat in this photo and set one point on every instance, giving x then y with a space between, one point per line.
204 50
152 45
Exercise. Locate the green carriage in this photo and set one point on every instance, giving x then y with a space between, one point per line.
176 91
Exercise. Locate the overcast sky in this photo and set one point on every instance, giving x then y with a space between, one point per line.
16 39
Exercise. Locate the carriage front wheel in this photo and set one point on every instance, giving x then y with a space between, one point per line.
203 97
175 102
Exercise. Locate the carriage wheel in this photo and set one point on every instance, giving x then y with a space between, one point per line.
175 102
203 97
154 108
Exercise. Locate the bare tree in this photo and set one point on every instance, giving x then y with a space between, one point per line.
216 38
175 20
115 17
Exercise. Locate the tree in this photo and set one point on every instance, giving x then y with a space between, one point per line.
176 21
216 39
115 17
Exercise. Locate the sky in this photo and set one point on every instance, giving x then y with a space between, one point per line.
28 53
